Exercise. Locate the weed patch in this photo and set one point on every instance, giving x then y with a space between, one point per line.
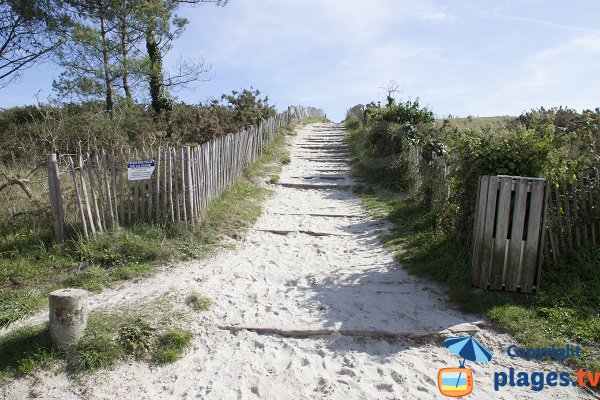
198 302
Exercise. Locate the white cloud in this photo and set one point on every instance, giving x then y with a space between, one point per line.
561 75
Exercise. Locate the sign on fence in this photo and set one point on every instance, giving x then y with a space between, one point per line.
509 233
140 170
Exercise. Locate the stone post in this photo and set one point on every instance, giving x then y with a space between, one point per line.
68 315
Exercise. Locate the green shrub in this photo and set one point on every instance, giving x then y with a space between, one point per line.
136 338
473 153
172 345
352 123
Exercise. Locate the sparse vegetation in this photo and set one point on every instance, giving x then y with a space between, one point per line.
198 302
147 330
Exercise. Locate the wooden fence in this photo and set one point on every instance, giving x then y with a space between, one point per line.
184 180
509 231
573 214
357 111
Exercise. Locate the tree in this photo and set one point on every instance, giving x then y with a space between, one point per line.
158 21
115 44
248 107
29 31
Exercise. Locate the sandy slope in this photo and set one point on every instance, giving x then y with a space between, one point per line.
342 279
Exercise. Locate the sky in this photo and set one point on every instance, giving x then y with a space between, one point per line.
459 57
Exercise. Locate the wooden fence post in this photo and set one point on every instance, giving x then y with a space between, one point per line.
56 199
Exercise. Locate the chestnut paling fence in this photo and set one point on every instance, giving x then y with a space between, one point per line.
520 222
184 180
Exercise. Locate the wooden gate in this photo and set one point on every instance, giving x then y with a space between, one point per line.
509 233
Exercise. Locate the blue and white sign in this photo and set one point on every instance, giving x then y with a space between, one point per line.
140 170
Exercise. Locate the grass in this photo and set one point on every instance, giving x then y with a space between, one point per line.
32 265
171 345
308 121
477 122
198 302
146 330
564 311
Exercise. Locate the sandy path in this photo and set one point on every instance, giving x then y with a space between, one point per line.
329 271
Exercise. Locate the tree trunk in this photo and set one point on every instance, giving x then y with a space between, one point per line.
125 61
105 50
156 72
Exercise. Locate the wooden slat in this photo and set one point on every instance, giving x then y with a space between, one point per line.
513 271
84 226
94 194
567 208
584 211
157 198
488 242
56 199
558 213
479 226
165 185
500 240
98 177
170 186
136 189
176 177
114 171
106 177
591 209
86 199
538 278
184 187
531 253
142 186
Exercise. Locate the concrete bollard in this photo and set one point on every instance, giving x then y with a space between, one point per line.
68 315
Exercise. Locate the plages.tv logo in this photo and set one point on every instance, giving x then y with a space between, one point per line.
458 382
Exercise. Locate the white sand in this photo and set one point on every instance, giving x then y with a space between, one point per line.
300 281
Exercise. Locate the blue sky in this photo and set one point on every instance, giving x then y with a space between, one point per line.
459 57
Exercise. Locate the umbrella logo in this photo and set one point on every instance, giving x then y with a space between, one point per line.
458 382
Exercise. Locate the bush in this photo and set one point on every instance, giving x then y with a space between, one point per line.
474 153
172 345
136 338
